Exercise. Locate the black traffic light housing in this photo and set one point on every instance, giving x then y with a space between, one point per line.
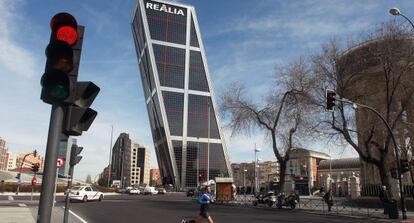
59 82
330 100
56 82
405 166
74 155
35 167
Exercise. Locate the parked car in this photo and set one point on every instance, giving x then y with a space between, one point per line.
134 191
161 191
85 193
150 190
120 190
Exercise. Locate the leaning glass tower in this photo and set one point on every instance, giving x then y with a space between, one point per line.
186 130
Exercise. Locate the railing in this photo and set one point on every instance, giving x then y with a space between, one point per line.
340 207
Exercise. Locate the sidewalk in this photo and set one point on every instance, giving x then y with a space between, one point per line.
22 214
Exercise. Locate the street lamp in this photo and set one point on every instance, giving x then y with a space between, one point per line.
396 12
256 150
244 180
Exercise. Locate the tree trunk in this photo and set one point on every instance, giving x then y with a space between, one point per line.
386 178
282 175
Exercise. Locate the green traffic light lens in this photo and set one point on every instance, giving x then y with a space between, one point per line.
59 91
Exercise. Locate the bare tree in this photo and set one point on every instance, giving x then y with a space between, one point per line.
279 115
378 73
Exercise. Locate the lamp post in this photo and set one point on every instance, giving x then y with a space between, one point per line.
256 150
258 173
397 12
244 180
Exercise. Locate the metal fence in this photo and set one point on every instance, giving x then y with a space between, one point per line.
340 207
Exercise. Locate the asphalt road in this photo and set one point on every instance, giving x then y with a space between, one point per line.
174 207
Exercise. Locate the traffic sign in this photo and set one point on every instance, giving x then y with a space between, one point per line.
34 181
60 162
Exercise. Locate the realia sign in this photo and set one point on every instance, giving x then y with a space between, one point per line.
164 8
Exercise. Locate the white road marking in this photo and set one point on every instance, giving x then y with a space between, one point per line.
77 216
10 198
22 205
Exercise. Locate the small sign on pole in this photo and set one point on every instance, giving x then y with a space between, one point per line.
60 162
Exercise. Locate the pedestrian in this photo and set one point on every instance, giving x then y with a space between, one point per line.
205 199
328 199
384 198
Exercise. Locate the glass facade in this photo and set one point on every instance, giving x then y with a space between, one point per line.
185 129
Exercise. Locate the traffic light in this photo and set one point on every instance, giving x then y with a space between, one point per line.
18 176
35 153
59 83
79 116
330 99
75 151
61 60
405 166
35 168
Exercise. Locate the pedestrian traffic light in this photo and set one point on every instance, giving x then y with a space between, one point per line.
35 167
61 61
75 151
330 99
405 166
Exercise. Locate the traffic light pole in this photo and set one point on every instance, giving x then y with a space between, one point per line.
68 191
397 154
49 173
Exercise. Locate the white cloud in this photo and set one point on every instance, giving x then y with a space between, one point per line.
14 59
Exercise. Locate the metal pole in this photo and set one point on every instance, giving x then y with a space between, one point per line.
198 163
68 191
255 171
49 173
54 193
208 144
110 157
20 173
31 195
397 155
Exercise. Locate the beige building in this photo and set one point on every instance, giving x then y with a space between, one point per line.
3 154
268 172
336 174
243 174
11 161
302 170
365 69
140 164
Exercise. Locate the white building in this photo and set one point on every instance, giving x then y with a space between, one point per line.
140 164
11 161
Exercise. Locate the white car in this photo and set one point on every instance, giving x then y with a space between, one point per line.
85 193
134 191
150 190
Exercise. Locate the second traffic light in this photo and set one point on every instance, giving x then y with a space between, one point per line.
35 167
74 155
330 99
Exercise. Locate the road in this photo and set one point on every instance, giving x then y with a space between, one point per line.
174 207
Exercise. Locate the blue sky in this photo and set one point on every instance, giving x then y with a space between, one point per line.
245 41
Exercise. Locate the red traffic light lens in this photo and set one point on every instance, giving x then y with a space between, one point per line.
67 34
